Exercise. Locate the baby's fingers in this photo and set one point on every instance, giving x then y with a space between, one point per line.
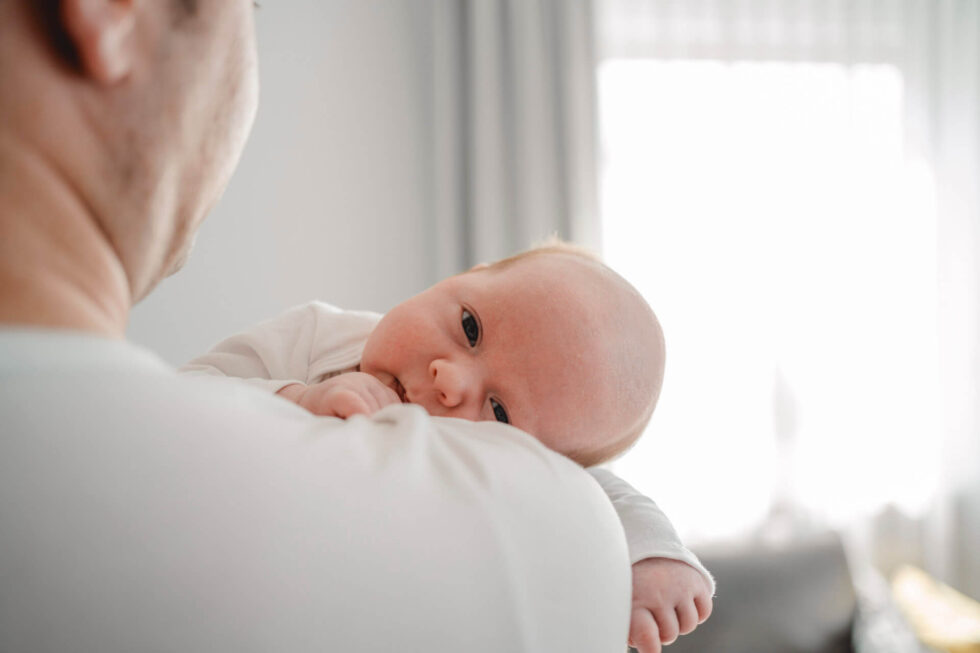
383 395
687 617
704 605
644 636
344 403
666 624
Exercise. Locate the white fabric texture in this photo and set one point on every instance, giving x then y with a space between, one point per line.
140 509
311 340
304 344
649 534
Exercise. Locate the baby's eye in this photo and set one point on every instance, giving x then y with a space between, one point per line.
470 328
498 412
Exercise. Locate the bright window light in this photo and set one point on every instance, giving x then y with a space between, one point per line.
771 216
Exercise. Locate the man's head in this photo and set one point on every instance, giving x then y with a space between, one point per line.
133 113
551 341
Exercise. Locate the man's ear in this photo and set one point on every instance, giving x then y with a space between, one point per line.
103 34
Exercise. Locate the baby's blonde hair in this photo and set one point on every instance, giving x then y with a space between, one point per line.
621 442
552 245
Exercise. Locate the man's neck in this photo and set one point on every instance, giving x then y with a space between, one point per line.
58 268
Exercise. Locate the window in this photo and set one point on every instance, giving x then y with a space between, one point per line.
769 213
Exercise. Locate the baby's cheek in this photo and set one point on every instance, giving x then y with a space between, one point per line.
567 447
555 443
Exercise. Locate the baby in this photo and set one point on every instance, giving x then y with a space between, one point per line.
550 341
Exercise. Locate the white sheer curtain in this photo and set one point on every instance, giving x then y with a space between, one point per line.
511 129
913 442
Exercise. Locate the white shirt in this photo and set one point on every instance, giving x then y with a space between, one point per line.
141 510
312 341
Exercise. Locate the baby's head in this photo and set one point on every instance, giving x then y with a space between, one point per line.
551 341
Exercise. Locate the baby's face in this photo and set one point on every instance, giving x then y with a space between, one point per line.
514 345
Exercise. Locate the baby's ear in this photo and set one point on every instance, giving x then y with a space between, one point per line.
479 266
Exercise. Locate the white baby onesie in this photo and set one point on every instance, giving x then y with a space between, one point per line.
311 342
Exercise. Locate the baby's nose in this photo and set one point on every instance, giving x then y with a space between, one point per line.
449 381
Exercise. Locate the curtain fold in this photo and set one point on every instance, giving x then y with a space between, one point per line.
779 30
943 65
511 101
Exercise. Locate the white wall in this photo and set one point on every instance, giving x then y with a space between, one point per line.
329 201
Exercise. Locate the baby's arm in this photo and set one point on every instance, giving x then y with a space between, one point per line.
300 355
270 355
302 345
671 588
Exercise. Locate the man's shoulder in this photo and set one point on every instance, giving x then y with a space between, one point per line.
143 487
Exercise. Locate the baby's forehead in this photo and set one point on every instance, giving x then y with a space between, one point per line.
558 277
539 302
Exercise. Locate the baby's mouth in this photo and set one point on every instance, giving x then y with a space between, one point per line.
400 390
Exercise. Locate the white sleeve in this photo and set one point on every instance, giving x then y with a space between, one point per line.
301 345
649 534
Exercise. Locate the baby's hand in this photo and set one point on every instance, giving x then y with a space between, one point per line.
350 393
669 598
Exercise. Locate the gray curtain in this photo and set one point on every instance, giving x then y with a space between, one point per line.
944 70
511 144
